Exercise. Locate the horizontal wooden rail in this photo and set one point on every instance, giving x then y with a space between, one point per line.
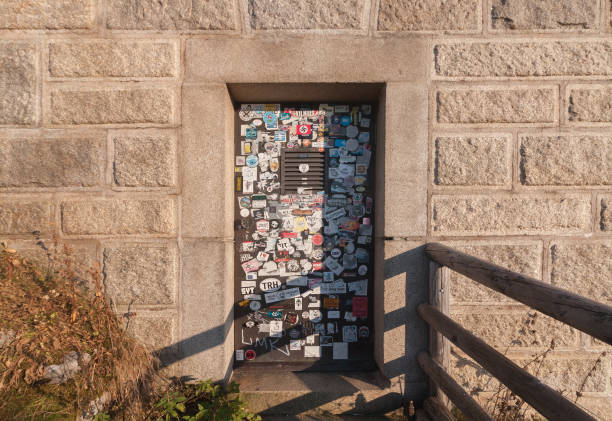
582 313
543 398
458 396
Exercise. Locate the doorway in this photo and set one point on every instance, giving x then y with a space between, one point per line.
304 222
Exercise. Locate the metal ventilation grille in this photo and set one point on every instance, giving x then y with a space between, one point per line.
292 178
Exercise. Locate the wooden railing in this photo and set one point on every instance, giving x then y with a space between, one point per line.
582 313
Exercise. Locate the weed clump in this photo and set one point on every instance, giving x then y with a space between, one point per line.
47 317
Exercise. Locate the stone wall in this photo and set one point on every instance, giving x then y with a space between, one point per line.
95 149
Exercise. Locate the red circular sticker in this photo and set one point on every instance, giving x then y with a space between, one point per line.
317 239
249 355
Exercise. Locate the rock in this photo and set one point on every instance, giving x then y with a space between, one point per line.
61 373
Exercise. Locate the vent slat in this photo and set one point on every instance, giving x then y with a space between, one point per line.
292 178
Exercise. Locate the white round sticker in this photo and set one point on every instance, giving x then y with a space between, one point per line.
304 168
351 145
244 213
352 131
270 285
257 122
255 305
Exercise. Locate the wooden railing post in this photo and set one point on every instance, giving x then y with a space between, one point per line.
439 297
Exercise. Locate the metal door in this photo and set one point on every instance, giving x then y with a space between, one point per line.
304 235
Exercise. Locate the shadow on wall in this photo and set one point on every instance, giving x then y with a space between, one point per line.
405 335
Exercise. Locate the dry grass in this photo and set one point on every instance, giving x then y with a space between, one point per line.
51 315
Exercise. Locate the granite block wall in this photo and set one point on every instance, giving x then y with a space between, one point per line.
517 168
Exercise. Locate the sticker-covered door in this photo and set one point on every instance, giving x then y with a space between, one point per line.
304 234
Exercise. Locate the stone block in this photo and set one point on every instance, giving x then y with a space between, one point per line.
511 214
157 332
600 406
559 371
82 255
565 160
113 59
206 339
605 213
144 158
70 106
517 329
473 160
584 268
194 15
534 15
405 163
326 59
47 14
119 217
436 15
52 162
524 258
18 70
522 59
207 162
496 105
304 14
140 274
23 216
590 104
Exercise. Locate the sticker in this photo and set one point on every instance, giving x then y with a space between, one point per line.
326 340
333 314
345 120
295 345
251 133
317 239
250 355
274 165
276 328
244 213
304 168
270 285
280 136
352 144
340 351
359 287
297 281
270 120
331 302
240 160
364 332
255 305
349 333
239 355
332 288
351 131
298 303
282 295
312 351
252 160
304 129
251 265
257 123
315 316
360 307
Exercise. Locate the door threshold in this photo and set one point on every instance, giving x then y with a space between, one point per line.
275 378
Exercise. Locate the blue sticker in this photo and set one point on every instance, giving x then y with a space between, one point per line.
280 136
252 161
270 120
285 116
340 143
335 119
345 121
251 133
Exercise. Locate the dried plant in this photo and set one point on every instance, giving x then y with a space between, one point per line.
45 314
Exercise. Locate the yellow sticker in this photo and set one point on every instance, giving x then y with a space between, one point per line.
299 224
